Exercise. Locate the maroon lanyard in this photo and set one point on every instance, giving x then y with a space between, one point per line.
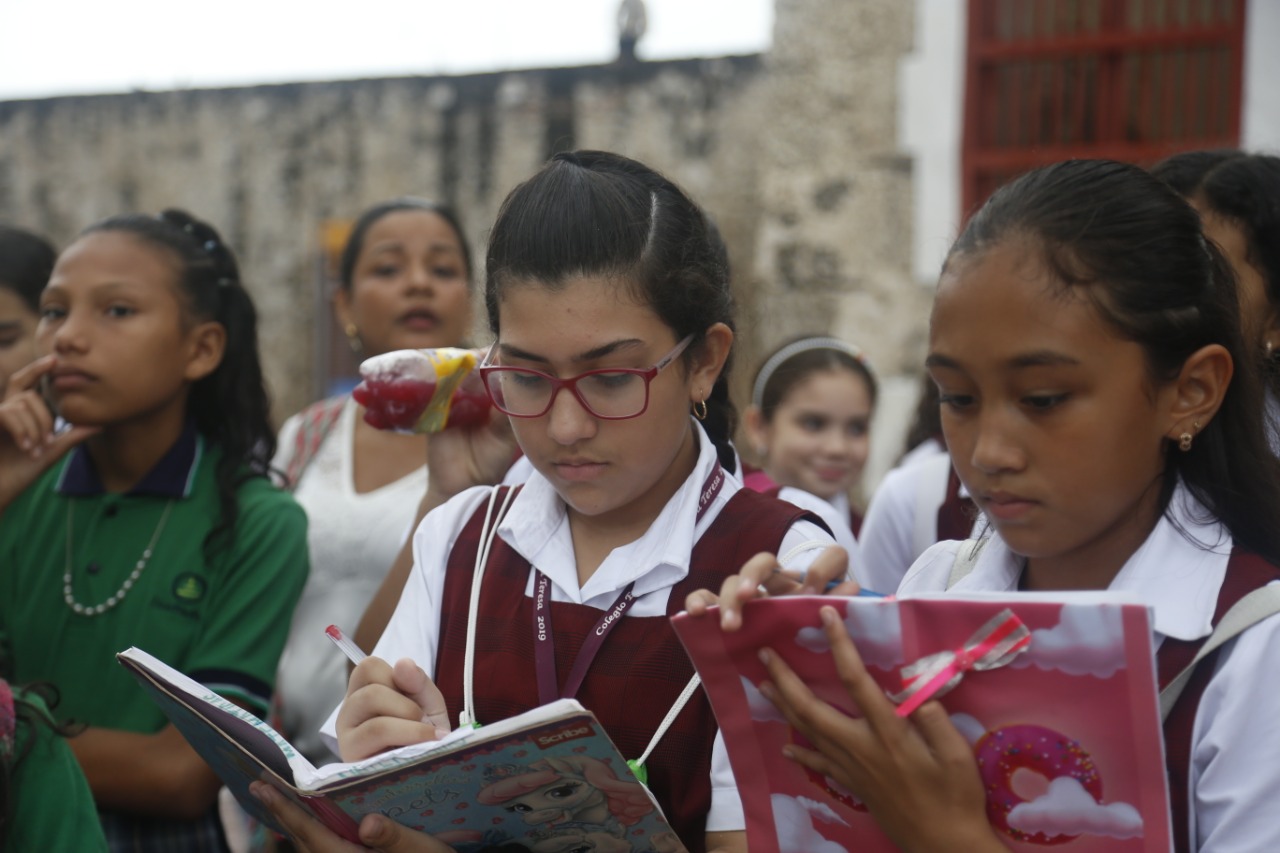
544 644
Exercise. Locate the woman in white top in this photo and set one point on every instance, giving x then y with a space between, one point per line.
1102 408
405 283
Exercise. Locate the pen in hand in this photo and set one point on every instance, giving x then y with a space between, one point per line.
342 641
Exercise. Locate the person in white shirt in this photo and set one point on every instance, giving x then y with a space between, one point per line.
405 277
613 318
1102 407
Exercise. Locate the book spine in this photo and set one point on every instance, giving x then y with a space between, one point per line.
333 817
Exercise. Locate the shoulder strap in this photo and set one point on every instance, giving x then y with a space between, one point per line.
931 492
1260 604
315 423
1185 668
488 531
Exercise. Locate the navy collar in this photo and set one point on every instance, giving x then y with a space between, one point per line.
171 477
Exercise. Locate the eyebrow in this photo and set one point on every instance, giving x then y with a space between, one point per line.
1038 358
589 355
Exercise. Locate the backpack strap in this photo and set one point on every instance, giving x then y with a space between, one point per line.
315 423
967 553
1185 667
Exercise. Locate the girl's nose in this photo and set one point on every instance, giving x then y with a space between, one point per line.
418 277
568 421
995 446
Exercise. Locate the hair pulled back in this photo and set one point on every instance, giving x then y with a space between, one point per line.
598 214
230 406
355 241
800 358
26 261
1134 248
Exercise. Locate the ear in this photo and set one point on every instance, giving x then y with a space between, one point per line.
709 361
756 430
207 343
1194 397
342 308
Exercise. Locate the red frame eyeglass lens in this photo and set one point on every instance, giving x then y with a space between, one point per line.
611 394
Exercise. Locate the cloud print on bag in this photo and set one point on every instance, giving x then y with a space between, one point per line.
875 629
1068 809
797 833
1088 640
762 710
968 725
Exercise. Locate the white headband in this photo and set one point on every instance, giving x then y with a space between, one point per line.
776 360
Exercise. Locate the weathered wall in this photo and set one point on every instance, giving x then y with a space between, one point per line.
794 154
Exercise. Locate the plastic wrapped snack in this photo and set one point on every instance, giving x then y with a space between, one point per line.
422 390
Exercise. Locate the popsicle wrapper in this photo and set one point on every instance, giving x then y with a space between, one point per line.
412 391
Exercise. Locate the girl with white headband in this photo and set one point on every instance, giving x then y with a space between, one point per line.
810 425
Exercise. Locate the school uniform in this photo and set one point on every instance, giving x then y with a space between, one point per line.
222 620
535 531
917 504
1178 572
835 513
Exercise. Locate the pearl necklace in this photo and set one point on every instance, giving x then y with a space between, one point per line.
118 596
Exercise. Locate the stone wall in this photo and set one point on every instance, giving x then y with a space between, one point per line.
794 153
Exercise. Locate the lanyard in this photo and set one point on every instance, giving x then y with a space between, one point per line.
544 646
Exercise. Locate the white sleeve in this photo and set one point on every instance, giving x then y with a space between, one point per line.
887 531
831 517
726 814
414 629
1234 773
285 443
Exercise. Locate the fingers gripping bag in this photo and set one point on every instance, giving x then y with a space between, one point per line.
422 390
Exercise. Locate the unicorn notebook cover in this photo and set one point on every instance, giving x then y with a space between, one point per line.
1057 697
547 781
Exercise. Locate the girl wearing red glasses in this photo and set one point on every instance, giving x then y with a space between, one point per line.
613 321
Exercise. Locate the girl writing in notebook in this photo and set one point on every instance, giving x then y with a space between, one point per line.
1105 414
613 325
160 529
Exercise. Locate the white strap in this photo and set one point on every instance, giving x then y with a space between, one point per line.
487 534
1245 613
681 701
933 474
967 553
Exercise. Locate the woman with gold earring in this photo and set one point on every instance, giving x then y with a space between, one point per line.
405 283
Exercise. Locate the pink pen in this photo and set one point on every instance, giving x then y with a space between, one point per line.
342 641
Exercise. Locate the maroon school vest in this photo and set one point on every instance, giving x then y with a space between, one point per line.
956 514
639 671
1245 573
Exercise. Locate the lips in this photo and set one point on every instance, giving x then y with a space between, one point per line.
419 319
68 378
578 470
1006 506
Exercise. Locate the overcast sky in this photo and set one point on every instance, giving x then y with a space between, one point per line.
56 47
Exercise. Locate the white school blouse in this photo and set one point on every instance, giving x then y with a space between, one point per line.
537 527
1235 756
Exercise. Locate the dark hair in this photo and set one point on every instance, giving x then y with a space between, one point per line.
926 423
355 242
799 359
1134 248
1244 189
230 406
26 714
25 264
594 213
1186 171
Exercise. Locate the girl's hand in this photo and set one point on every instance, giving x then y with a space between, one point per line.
28 445
917 776
764 575
388 707
310 836
459 458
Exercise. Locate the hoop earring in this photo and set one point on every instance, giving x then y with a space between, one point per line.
353 339
700 410
1184 442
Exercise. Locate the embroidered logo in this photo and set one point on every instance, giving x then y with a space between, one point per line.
189 587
